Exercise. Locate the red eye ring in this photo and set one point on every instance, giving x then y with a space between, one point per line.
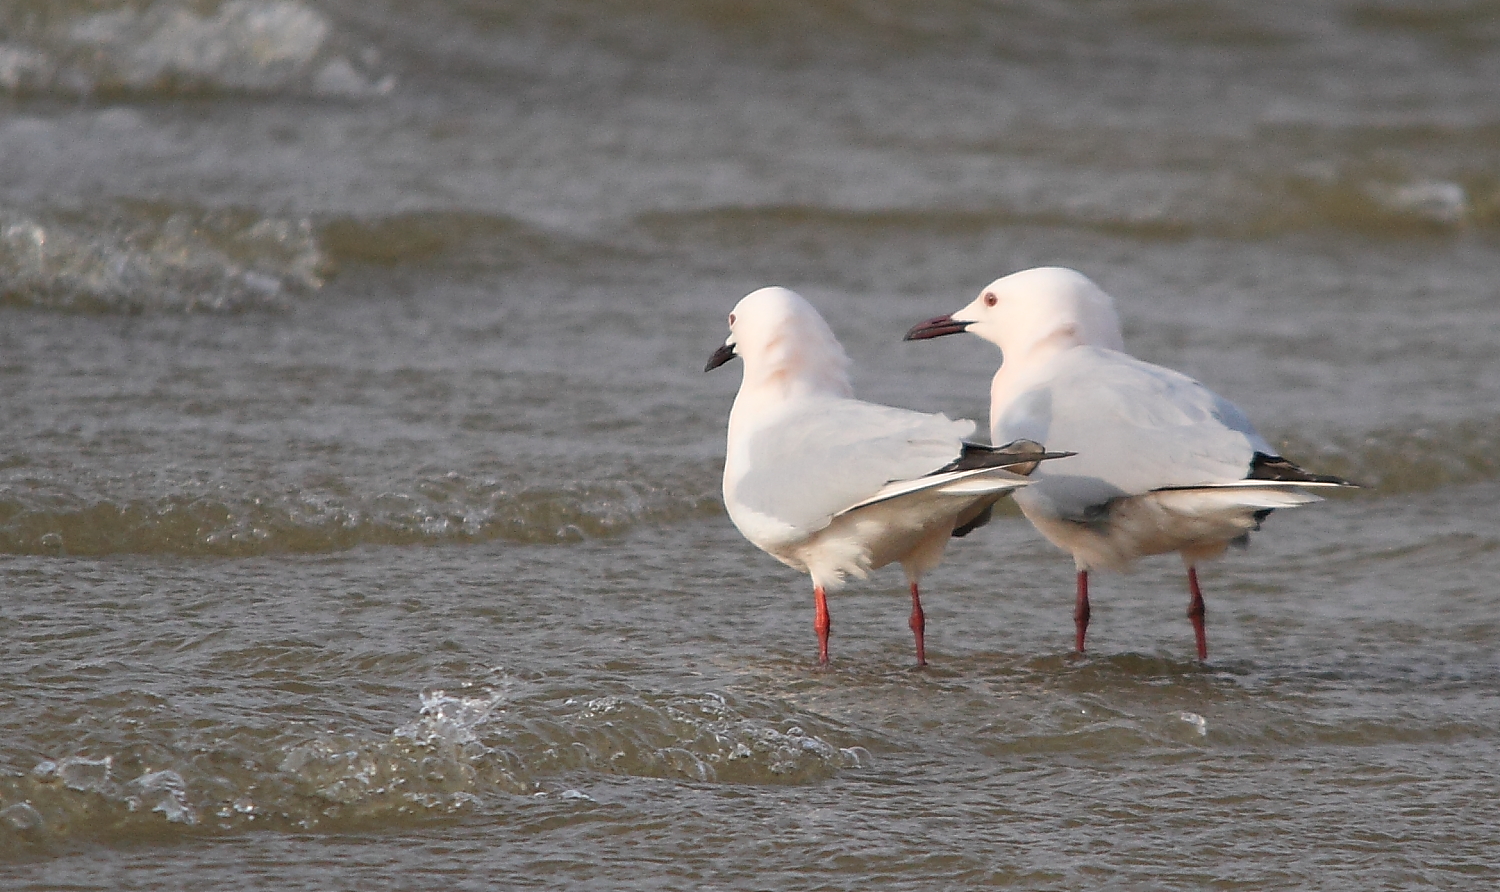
731 318
990 299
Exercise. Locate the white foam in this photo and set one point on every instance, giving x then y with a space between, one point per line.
452 720
1197 721
165 792
85 775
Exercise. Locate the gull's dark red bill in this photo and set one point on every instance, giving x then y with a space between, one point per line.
721 356
936 327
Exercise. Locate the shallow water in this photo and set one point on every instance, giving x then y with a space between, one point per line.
359 506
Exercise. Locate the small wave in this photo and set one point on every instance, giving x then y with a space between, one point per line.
462 752
41 514
1376 201
462 236
1408 459
176 47
141 258
704 737
40 518
91 797
1381 206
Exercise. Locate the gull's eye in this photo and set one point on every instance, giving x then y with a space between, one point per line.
731 319
990 299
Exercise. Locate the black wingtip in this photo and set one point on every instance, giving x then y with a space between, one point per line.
1019 456
1276 468
1028 454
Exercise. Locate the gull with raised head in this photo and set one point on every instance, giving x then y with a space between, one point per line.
836 487
1163 464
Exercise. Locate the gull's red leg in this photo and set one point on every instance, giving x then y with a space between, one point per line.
1196 612
822 623
918 623
1081 609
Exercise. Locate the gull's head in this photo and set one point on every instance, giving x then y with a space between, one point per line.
782 339
1046 305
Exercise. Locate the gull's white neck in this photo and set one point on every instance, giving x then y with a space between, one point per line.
1021 361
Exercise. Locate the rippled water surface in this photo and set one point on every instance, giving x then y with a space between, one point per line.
359 511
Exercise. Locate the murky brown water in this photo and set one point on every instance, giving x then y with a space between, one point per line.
359 514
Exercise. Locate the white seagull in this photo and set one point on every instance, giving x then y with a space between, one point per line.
833 486
1163 464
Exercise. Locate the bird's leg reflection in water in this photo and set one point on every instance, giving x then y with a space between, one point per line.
1081 609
